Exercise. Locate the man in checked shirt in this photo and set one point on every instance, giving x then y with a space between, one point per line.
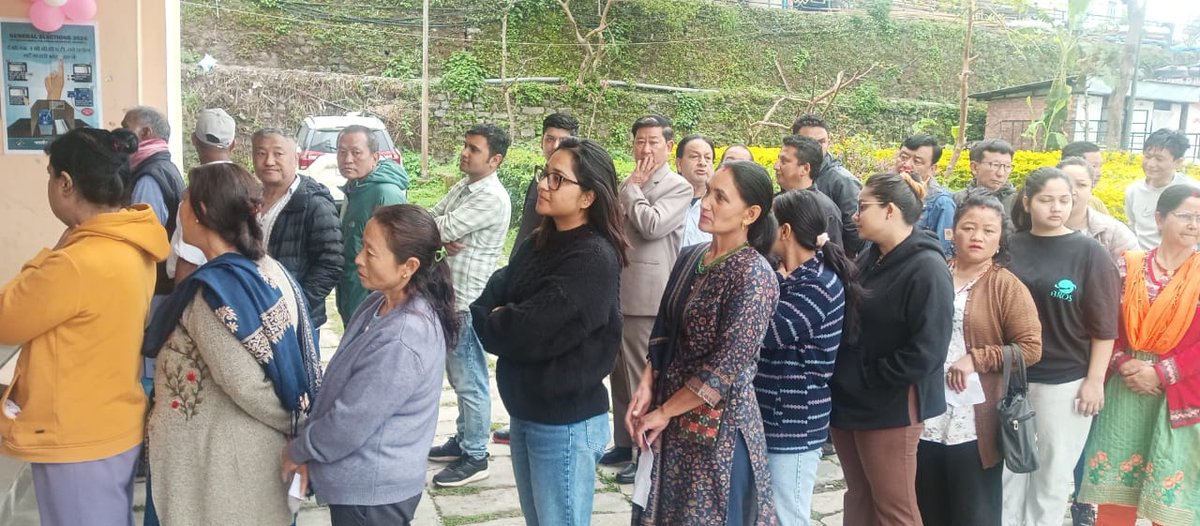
473 221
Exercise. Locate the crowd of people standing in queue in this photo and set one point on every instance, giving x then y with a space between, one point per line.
743 324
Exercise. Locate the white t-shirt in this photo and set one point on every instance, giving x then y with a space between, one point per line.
1140 203
184 251
267 219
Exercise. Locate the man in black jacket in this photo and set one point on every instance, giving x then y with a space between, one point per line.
834 180
299 220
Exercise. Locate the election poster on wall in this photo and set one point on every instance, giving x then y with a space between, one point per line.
52 84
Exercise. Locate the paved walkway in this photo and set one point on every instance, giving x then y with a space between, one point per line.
491 502
494 502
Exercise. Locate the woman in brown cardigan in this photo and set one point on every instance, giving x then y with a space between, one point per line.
958 461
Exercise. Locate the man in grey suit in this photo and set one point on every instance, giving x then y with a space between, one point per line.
655 201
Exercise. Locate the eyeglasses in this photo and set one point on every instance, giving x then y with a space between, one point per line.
999 167
553 180
1187 218
863 204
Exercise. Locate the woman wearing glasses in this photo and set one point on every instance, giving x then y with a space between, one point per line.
889 381
553 318
1074 284
1141 459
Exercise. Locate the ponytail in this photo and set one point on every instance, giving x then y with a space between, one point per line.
918 189
225 199
412 232
801 210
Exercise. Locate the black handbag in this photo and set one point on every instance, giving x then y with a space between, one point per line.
1018 435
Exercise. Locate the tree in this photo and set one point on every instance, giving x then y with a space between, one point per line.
964 79
593 42
1136 17
1048 132
505 87
807 104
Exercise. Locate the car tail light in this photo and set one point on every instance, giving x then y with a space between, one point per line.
392 155
307 158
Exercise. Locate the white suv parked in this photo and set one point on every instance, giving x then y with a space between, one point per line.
316 141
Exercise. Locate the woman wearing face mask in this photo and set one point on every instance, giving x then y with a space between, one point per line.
710 463
958 462
1141 458
237 365
1074 284
889 381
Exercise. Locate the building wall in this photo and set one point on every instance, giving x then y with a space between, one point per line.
136 39
1009 118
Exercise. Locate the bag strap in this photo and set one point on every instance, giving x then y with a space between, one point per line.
1013 354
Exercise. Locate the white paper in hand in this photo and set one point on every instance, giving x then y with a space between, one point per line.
295 498
641 481
970 396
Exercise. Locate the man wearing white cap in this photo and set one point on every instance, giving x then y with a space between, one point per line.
215 136
214 139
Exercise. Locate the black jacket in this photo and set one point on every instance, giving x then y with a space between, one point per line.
307 240
166 175
836 182
530 219
906 318
553 318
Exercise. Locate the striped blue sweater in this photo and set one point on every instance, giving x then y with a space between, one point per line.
797 359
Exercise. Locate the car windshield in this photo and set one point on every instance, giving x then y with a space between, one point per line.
325 141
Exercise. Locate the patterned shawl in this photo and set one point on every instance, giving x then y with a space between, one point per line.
667 326
252 307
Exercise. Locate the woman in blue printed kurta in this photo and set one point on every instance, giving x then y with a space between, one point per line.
710 465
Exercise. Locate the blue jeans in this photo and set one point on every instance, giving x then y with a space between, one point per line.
793 476
555 468
468 371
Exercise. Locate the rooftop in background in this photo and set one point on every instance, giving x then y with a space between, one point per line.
1147 89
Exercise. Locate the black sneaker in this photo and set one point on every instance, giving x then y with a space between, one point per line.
448 452
461 472
627 475
502 436
1083 514
616 455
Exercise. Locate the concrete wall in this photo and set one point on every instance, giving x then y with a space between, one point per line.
138 39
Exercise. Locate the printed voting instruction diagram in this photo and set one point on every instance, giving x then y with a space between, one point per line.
52 85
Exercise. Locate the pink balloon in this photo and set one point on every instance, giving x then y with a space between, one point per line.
80 10
46 18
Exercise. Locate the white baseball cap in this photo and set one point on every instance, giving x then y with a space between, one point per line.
215 128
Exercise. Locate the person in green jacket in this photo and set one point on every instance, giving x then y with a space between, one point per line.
371 183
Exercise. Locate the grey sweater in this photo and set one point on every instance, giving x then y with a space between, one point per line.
368 436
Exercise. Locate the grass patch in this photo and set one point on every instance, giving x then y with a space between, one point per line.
461 491
498 425
609 481
460 520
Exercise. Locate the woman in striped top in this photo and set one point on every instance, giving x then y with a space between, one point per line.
818 291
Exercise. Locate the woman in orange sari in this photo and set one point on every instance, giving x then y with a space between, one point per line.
1142 456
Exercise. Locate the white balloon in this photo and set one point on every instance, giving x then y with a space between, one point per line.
55 3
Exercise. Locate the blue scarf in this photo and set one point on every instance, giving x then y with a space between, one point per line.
254 311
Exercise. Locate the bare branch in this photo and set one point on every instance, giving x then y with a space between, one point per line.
782 77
